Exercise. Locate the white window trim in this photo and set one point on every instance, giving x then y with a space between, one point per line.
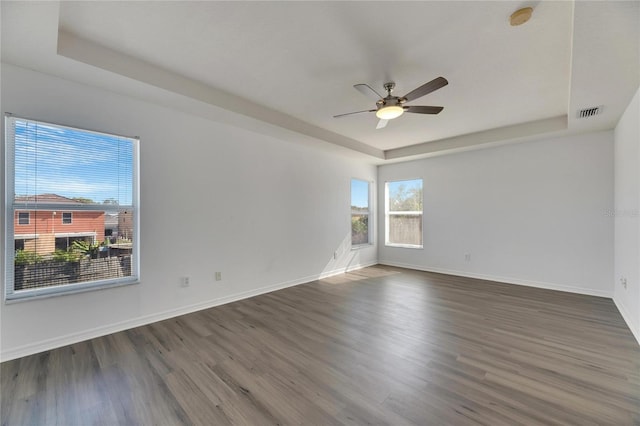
27 236
388 213
93 235
369 214
10 295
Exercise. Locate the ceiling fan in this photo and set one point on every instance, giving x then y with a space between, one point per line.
390 107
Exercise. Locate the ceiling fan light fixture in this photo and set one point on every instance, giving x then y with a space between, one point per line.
389 112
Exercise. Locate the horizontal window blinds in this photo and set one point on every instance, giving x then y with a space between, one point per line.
84 166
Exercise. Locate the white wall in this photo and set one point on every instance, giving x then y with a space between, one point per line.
264 212
533 213
627 215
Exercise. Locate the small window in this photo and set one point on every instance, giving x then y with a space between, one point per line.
67 218
23 218
360 212
84 180
403 213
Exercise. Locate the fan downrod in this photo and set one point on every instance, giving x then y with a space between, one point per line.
389 87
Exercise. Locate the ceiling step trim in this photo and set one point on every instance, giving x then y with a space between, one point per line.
483 139
82 50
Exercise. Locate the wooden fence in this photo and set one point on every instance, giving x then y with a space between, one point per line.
50 273
405 229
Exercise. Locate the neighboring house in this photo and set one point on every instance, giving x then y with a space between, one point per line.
44 231
111 226
125 224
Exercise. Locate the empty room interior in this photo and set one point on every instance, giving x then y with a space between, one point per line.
401 213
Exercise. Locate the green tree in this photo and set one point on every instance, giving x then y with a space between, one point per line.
405 199
86 248
83 200
359 229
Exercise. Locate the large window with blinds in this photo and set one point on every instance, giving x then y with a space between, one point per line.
403 213
72 207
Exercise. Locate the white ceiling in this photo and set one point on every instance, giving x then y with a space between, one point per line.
292 65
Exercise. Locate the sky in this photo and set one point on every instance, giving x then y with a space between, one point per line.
408 184
359 193
360 190
400 190
72 163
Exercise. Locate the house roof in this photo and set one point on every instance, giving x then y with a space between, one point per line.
46 199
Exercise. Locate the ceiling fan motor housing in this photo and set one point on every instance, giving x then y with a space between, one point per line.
390 100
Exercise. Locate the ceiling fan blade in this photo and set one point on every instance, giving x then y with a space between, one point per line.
426 88
366 90
355 112
424 109
382 124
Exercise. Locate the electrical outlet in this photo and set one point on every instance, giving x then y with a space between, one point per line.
185 281
335 254
218 276
467 257
623 281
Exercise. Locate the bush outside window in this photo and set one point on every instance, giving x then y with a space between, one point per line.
360 212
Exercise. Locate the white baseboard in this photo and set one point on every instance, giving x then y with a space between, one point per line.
627 318
507 280
69 339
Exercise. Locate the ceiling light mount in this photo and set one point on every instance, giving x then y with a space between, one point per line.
389 87
520 16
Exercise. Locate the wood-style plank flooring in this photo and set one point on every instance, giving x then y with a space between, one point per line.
377 346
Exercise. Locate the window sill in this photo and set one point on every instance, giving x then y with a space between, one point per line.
45 293
362 246
407 246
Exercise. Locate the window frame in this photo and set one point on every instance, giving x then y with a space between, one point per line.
10 295
70 218
388 213
368 213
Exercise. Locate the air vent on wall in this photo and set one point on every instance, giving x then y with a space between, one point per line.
589 112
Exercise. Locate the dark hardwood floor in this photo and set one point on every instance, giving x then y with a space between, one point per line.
381 345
